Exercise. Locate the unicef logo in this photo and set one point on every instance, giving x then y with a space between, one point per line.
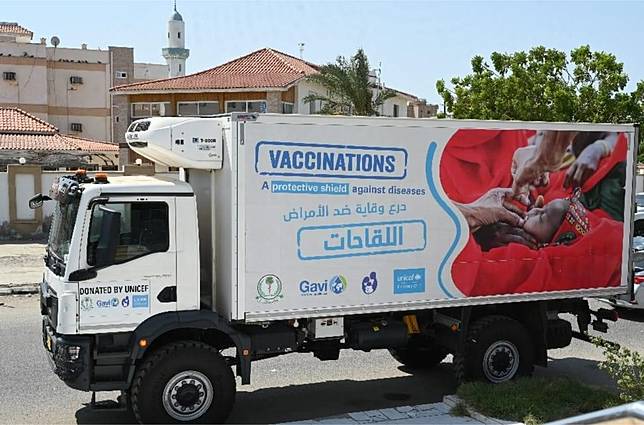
338 284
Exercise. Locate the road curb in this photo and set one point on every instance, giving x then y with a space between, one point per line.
19 289
420 414
454 400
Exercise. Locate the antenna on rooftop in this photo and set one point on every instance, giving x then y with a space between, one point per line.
175 5
301 46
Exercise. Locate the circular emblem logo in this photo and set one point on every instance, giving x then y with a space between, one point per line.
87 304
125 302
269 289
338 284
369 283
115 302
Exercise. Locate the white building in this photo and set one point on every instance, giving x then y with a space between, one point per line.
176 53
67 87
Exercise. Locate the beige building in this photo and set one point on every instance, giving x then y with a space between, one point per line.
262 81
26 139
421 109
67 87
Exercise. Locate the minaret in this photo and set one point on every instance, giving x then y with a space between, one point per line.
176 54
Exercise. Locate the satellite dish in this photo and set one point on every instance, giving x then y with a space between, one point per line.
55 41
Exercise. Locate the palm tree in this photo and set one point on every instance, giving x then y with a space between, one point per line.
349 91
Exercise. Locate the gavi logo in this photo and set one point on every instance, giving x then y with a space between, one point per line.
309 288
336 285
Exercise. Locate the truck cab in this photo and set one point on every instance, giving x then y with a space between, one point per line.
114 256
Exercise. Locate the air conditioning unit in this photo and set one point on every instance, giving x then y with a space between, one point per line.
76 126
9 76
74 79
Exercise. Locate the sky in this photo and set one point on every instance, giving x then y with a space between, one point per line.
414 43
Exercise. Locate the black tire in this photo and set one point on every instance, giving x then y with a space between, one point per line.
419 354
190 364
497 349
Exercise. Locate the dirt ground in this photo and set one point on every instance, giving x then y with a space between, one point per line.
21 263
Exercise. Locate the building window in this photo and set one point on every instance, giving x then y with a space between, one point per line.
197 109
395 110
121 75
74 79
179 34
9 76
246 106
150 109
287 108
179 67
76 126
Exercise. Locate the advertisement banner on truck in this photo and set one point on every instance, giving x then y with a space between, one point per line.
361 215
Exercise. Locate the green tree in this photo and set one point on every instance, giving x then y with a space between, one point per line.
349 91
546 85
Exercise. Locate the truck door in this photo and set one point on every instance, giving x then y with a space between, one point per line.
130 255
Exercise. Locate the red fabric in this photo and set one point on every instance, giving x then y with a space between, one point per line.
475 161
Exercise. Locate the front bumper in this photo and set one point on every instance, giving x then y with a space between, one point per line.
69 356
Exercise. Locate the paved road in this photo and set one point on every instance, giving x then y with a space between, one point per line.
288 388
21 263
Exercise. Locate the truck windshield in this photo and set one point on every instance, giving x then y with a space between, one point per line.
62 226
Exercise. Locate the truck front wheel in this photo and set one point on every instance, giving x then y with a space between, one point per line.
497 349
183 382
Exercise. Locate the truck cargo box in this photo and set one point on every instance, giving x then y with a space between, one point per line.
328 216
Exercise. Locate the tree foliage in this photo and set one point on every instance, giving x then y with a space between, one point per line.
349 91
546 85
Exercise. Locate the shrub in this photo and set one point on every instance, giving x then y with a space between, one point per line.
625 366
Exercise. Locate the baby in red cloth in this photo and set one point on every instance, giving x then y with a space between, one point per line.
561 221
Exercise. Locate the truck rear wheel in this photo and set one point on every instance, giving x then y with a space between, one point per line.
183 382
420 353
497 349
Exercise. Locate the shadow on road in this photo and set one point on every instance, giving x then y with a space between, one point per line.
632 315
299 402
87 415
321 399
584 370
333 398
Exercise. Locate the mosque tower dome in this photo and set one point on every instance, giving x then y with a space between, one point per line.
176 53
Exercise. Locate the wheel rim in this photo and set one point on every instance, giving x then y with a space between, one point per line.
501 361
187 395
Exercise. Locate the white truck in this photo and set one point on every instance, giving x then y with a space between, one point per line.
286 233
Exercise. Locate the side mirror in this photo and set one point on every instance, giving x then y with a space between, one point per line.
83 274
36 201
109 239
